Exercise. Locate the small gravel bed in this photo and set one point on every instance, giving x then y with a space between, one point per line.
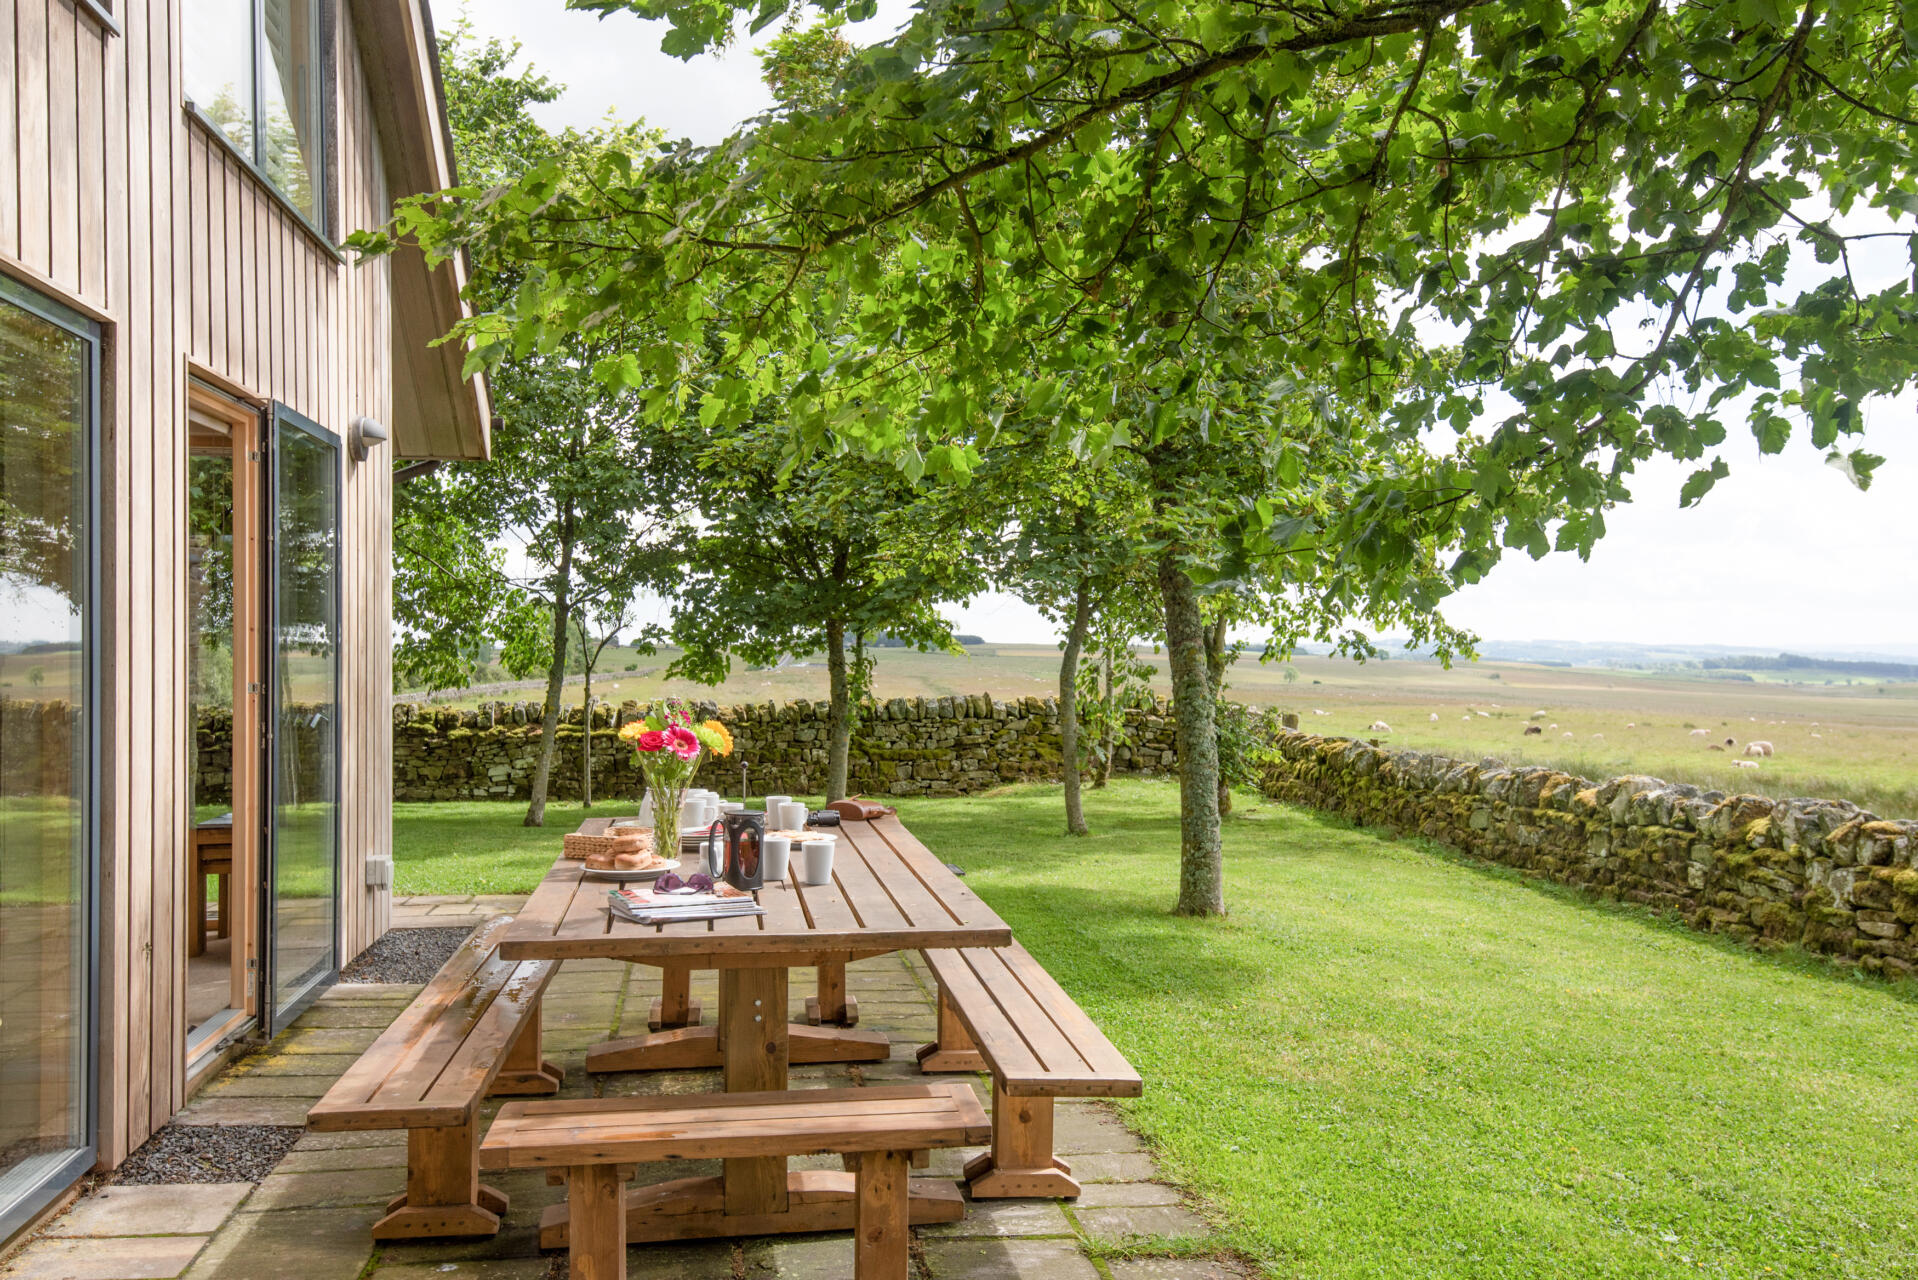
406 955
207 1153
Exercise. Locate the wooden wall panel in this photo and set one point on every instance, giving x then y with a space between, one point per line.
9 136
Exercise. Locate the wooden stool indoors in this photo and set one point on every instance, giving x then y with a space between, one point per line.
212 856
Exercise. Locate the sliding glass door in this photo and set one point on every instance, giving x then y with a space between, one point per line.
303 665
49 408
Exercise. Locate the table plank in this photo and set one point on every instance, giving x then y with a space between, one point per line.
888 894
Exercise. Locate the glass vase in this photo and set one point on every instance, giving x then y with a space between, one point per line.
666 803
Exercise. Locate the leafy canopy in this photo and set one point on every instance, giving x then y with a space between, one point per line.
1556 234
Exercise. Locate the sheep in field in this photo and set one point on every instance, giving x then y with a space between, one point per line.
1699 733
1378 726
1568 734
1746 764
1758 748
1531 729
1433 717
1486 715
1713 746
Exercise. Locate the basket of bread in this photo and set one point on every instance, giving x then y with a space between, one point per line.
628 855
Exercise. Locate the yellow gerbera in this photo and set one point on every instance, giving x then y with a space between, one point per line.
630 731
725 747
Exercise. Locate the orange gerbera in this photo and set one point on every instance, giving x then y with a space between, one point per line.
718 730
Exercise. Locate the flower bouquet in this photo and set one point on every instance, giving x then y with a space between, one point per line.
666 744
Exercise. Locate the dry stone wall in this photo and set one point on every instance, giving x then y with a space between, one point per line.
1821 873
947 746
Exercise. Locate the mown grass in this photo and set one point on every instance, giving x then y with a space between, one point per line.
1388 1062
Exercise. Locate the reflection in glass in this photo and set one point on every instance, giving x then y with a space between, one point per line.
44 409
258 61
290 101
219 66
306 696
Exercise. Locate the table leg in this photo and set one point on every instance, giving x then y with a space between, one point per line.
832 1006
196 936
675 1006
226 928
752 1013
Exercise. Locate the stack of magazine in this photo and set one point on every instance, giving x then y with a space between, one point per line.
644 907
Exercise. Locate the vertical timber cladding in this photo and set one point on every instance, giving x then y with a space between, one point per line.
113 202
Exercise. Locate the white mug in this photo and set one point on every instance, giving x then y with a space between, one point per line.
691 810
776 852
818 862
792 816
772 808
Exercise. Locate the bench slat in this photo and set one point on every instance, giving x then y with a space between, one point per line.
434 1063
732 1126
1036 1040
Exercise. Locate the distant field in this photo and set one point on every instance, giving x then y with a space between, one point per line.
1855 742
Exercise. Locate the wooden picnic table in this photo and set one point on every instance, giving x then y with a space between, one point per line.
888 893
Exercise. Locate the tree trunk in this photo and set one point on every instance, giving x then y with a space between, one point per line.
839 728
556 674
1201 860
1215 652
1069 709
586 722
1108 741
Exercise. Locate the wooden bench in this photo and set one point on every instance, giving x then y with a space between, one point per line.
597 1141
474 1031
999 1011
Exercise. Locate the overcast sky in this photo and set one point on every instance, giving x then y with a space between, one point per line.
1784 554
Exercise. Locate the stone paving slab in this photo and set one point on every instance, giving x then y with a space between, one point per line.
310 1217
190 1209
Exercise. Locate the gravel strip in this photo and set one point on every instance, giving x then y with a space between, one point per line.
207 1153
406 955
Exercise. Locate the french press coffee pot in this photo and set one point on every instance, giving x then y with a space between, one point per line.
745 837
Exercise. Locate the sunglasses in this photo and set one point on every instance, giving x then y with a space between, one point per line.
697 882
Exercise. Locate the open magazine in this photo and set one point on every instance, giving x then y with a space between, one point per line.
647 906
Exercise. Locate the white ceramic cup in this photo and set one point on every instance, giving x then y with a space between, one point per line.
792 816
691 810
772 808
775 852
816 862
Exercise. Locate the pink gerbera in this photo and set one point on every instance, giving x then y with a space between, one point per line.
651 740
682 742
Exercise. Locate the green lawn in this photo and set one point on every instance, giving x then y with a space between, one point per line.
1388 1063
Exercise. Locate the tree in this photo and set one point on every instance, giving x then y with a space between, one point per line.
1003 212
573 478
811 562
613 619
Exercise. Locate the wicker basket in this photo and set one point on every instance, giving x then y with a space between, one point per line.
579 846
585 846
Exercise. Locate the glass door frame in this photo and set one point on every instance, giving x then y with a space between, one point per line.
91 333
274 1019
246 419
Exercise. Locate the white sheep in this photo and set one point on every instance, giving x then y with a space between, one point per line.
1700 733
1746 764
1378 726
1758 748
1467 719
1817 735
1485 715
1317 712
1540 715
1568 734
1552 725
1598 737
1433 717
1631 724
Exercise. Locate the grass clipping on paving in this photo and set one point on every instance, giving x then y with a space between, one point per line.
1388 1062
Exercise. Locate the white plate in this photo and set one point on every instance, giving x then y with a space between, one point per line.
650 873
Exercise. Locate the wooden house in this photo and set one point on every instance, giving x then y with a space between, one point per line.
202 404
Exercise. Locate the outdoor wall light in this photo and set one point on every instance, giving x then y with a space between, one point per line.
365 434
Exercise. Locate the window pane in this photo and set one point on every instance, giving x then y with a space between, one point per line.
219 66
306 693
291 94
44 372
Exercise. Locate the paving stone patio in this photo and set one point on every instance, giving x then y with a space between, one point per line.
309 1218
